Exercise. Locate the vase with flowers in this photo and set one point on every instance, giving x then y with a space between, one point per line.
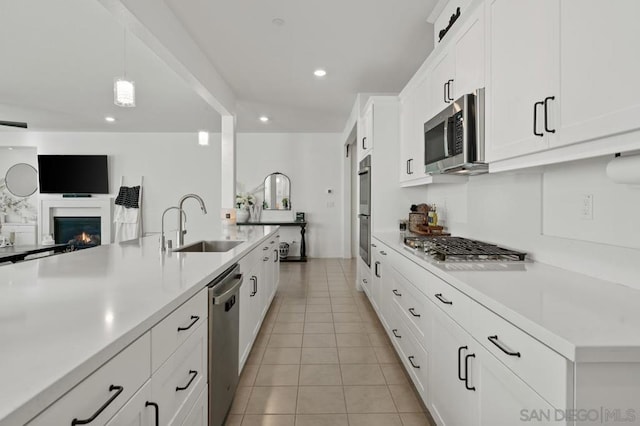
244 201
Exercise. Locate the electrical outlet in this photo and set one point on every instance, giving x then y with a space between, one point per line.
586 207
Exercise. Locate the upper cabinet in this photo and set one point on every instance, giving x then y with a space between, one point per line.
522 39
569 81
458 68
365 133
599 89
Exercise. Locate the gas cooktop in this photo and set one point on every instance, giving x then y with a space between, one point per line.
462 249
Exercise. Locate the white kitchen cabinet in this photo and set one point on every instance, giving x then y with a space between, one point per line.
261 273
449 387
441 78
504 399
523 60
409 138
139 411
181 379
469 54
105 391
199 415
365 134
599 66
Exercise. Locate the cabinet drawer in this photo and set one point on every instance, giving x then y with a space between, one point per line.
138 411
416 362
105 391
547 372
414 308
181 378
172 331
199 414
454 303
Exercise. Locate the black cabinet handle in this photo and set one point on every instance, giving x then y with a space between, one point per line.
156 409
194 319
395 333
495 341
410 172
363 141
364 280
535 119
272 241
449 90
375 269
446 99
193 374
407 167
255 286
397 293
265 248
275 259
373 245
411 358
443 300
460 349
95 415
384 253
264 259
546 114
412 311
466 372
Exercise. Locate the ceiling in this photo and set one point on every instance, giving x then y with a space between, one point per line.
58 60
365 46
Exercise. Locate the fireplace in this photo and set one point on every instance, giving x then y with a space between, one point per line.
80 232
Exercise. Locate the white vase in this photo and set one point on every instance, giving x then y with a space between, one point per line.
242 215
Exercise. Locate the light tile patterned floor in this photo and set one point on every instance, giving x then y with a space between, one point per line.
323 359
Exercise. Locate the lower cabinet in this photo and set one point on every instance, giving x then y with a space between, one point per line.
199 415
451 384
139 411
462 377
261 271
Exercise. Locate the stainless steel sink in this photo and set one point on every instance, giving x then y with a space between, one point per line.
208 247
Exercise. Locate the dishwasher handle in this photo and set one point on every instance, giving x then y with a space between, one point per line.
224 291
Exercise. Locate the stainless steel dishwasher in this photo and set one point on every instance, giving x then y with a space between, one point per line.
224 308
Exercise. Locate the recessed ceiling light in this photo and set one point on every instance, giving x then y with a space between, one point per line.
203 137
109 119
264 118
319 72
278 22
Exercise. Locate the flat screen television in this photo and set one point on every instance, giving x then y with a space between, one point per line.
73 174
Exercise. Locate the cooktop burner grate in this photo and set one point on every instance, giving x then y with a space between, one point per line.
463 249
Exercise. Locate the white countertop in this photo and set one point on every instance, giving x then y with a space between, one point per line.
583 318
64 316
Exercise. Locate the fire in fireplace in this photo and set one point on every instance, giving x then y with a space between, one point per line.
80 232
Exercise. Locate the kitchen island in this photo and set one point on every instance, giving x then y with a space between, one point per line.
63 317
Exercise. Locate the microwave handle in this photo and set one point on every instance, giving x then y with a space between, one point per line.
446 137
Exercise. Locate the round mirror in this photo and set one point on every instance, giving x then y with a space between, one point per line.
277 192
21 180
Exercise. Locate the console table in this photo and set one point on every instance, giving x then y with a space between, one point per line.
303 243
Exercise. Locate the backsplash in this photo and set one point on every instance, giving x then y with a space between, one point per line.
540 211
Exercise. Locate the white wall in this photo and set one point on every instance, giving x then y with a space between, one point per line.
173 164
539 212
313 162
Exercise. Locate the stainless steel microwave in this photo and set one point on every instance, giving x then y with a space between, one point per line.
454 139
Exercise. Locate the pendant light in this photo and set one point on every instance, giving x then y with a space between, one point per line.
124 90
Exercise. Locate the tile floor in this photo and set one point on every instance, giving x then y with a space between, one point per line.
323 359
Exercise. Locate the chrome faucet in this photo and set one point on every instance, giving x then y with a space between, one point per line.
181 230
163 245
